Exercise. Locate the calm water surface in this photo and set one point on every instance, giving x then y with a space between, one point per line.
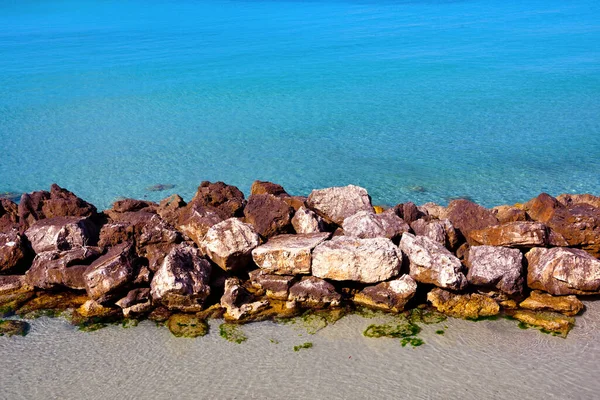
414 100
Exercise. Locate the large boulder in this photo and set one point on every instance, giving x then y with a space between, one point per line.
269 215
441 231
265 187
572 199
312 292
275 286
14 252
467 216
367 224
229 244
226 200
195 221
561 271
498 268
539 301
512 234
62 233
61 268
432 263
170 209
58 202
338 203
509 214
182 281
388 296
352 259
578 223
307 221
468 306
288 254
110 274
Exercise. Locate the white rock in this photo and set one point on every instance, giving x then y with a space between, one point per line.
307 221
229 244
366 224
339 203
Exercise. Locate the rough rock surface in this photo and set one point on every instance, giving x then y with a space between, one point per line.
496 267
62 233
239 304
9 216
288 254
468 306
509 214
110 274
467 216
431 262
313 292
434 210
66 268
14 253
440 231
226 200
182 281
195 222
539 301
353 259
276 286
367 224
170 208
187 325
547 321
388 296
269 215
265 187
229 244
307 221
512 234
58 202
572 199
137 302
338 203
561 271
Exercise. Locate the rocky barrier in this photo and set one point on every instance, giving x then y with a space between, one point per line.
277 256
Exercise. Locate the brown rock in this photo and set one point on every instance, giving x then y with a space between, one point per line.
539 301
512 234
410 212
14 252
467 216
276 286
227 201
170 209
440 231
509 214
51 301
240 304
61 268
195 221
468 306
295 201
561 271
130 205
62 233
269 215
313 292
110 274
434 211
264 187
572 199
137 302
58 202
388 296
9 216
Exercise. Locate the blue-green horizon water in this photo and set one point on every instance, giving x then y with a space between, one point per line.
497 101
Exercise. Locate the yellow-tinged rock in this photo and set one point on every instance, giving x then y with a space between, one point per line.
467 306
546 321
52 301
539 301
378 209
92 308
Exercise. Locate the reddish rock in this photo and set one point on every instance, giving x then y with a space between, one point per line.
276 286
512 234
388 296
441 231
410 212
572 199
264 187
138 301
269 215
296 202
195 221
129 205
171 208
9 215
14 252
467 216
62 233
110 274
509 214
61 268
58 202
227 201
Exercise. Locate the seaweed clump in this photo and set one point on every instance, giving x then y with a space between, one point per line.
232 333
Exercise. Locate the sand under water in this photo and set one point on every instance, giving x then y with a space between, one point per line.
490 359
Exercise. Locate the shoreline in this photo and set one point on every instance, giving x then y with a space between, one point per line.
312 259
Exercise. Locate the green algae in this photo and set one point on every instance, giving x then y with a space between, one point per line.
425 316
413 341
12 328
483 318
187 325
523 325
232 333
399 330
440 332
306 345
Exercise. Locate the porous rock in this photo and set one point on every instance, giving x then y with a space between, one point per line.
468 306
367 224
61 233
276 286
496 267
467 216
226 200
539 301
229 244
269 215
512 234
338 203
307 221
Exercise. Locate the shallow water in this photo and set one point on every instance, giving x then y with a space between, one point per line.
472 360
493 100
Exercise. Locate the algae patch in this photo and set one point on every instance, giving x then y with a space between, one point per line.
414 342
306 345
232 333
12 327
400 330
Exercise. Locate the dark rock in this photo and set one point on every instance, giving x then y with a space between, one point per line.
137 302
227 201
62 233
129 205
269 215
110 274
159 187
14 252
66 268
410 212
170 209
13 328
467 216
9 216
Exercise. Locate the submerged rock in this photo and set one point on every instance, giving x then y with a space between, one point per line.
538 301
229 244
13 328
549 322
62 233
367 224
468 306
307 221
388 296
187 325
339 203
49 303
561 271
430 262
288 254
14 292
496 267
352 259
182 281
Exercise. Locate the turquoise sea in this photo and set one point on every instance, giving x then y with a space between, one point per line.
414 100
